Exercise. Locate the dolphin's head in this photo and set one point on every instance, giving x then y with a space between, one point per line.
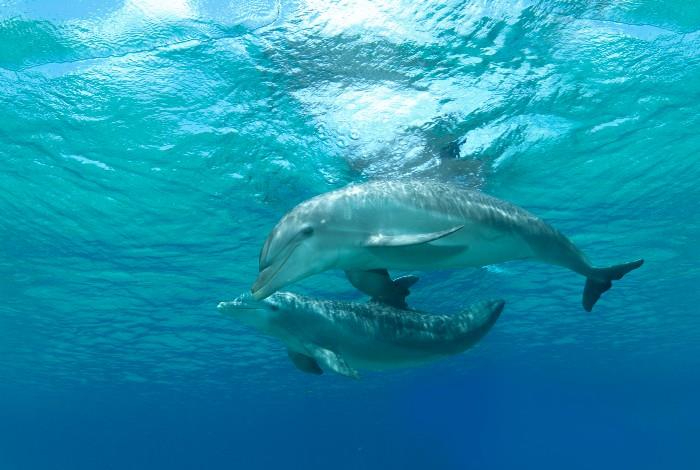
301 244
257 313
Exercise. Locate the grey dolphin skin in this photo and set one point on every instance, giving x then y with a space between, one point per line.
346 336
368 228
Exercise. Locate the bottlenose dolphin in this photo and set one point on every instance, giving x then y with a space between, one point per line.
345 336
368 228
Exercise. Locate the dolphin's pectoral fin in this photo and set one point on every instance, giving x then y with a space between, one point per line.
304 363
379 239
332 361
378 284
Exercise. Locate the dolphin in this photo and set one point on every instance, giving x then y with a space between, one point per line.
346 336
368 228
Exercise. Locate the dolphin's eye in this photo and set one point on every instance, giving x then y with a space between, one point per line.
274 308
307 231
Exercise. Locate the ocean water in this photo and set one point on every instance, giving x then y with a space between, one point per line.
148 146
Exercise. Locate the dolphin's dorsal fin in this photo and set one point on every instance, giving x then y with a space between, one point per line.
378 239
478 319
304 363
331 360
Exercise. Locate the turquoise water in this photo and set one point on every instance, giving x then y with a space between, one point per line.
147 147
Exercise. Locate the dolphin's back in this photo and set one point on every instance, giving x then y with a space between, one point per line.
431 196
412 330
405 205
476 210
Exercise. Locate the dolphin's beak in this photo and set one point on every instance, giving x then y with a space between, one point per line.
244 302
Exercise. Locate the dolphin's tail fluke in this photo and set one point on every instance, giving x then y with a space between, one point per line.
600 280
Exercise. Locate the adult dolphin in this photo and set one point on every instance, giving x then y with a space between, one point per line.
368 228
346 336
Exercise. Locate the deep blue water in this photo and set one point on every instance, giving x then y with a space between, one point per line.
148 146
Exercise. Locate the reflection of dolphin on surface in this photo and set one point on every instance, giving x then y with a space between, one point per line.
368 228
345 336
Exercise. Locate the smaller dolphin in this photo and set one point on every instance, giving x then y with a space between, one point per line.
345 336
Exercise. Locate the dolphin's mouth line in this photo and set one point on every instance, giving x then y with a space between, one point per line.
270 277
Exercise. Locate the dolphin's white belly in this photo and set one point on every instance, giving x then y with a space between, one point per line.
360 351
380 355
482 247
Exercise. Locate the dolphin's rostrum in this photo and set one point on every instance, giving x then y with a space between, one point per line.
345 336
368 228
